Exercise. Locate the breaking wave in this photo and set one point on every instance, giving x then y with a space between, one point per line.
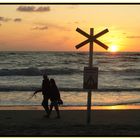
58 71
32 88
36 72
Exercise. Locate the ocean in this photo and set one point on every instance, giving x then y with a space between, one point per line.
118 78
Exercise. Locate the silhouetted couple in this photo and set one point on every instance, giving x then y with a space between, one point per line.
50 91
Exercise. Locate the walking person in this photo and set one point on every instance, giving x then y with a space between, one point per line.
45 92
55 98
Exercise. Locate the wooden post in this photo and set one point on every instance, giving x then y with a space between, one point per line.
91 49
90 65
90 39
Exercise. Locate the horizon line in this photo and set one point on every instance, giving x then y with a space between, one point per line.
69 51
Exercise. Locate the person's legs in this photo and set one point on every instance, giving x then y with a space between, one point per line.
45 105
57 111
51 107
50 110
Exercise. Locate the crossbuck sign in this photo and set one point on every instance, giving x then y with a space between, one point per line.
90 73
92 38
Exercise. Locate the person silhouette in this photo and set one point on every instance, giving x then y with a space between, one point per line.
54 98
45 92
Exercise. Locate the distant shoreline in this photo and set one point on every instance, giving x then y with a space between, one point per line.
12 51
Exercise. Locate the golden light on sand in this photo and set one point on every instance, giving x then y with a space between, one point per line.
113 48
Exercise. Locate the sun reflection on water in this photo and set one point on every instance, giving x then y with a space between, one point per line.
114 107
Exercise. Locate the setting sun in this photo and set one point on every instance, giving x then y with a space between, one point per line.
113 48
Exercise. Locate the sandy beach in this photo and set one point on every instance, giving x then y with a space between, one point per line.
29 121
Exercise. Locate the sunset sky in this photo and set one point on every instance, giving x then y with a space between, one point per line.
53 27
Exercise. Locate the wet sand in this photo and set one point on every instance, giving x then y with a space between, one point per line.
29 121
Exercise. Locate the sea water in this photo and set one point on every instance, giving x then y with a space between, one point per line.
21 74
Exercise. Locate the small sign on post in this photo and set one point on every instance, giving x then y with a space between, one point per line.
90 73
90 78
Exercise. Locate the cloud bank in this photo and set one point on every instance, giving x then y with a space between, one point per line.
133 37
40 27
17 20
43 26
4 19
33 9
